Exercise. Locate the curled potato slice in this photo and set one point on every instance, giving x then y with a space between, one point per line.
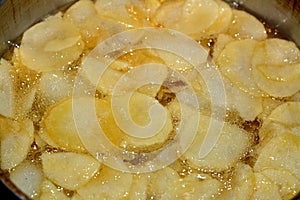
28 178
274 51
108 184
283 118
69 170
247 106
183 15
243 183
246 26
139 106
287 114
49 191
235 63
128 13
222 23
281 152
287 184
16 138
51 44
221 42
106 82
60 126
276 67
231 145
84 15
264 188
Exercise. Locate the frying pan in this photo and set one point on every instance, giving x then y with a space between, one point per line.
18 15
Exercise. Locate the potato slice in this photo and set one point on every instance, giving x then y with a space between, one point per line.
128 13
287 114
274 51
163 184
6 90
60 126
108 184
276 83
28 178
288 184
243 183
246 26
235 63
106 82
69 170
247 106
281 152
183 15
265 188
195 185
138 190
222 23
84 16
50 191
231 145
16 138
51 44
221 42
55 86
276 67
283 118
139 106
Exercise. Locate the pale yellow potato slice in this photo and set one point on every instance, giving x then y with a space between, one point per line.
246 105
84 15
288 184
242 184
283 118
274 51
49 191
223 21
55 86
281 152
128 13
246 26
235 63
28 178
287 114
60 126
69 170
106 82
183 15
265 188
163 184
231 145
15 104
175 62
16 138
139 106
221 42
139 187
195 185
276 67
108 184
50 45
275 82
7 100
